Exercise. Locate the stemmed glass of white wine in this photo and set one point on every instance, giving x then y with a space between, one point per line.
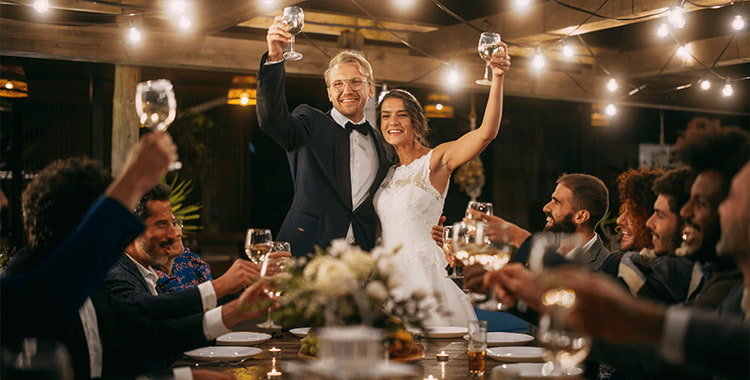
258 243
156 107
489 43
294 18
271 271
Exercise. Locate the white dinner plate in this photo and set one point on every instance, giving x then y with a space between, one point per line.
242 338
499 338
300 331
532 371
222 353
516 354
442 332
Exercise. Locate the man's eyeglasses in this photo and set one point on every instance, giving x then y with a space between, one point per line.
355 84
163 224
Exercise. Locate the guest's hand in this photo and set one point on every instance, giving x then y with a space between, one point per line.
604 308
474 278
277 38
514 282
500 62
500 230
278 255
241 274
437 232
204 374
252 303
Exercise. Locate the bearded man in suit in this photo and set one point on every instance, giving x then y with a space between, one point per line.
335 171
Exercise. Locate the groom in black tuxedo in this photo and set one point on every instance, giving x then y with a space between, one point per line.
337 159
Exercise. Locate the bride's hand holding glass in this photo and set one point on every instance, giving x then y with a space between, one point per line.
499 63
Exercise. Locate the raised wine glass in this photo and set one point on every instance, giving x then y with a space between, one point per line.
156 107
485 207
257 244
271 271
564 348
294 18
489 43
450 251
468 244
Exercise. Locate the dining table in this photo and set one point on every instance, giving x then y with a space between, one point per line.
279 358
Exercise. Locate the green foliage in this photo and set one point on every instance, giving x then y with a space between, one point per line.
189 213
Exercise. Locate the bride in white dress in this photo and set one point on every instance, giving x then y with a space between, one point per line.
410 199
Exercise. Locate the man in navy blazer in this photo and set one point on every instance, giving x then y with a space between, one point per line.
335 171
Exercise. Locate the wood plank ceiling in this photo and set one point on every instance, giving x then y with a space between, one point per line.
415 46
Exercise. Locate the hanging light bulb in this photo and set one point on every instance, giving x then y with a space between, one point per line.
177 7
610 109
521 5
663 30
537 61
727 90
134 35
41 6
612 85
184 22
705 84
676 17
567 50
738 23
383 91
452 76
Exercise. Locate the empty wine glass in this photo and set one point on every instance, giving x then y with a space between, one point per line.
489 43
156 107
257 244
271 271
294 18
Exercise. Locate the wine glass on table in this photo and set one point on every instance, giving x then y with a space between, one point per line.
271 270
294 18
564 348
489 43
156 107
257 244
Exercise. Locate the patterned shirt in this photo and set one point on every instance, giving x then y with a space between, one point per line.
188 270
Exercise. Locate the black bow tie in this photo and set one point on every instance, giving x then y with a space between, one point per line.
363 128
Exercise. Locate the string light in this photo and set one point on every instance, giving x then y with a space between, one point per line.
184 22
537 61
705 84
177 7
610 109
738 23
134 35
41 6
521 5
612 85
567 50
663 30
727 91
404 4
676 17
452 76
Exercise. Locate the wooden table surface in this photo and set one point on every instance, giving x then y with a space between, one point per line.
258 367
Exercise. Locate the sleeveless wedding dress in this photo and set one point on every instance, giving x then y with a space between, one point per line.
408 206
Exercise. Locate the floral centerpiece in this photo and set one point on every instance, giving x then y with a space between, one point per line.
346 285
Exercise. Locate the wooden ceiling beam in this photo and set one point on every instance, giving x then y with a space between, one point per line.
544 22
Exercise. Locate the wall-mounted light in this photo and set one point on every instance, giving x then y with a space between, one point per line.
13 83
243 90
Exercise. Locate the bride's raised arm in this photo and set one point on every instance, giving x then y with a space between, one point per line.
448 156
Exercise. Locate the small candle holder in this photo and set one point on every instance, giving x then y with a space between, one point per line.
273 373
442 356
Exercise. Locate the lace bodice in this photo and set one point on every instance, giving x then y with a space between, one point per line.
408 206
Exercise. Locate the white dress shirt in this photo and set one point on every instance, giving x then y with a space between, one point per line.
363 163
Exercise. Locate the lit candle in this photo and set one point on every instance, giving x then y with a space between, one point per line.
274 350
442 356
273 373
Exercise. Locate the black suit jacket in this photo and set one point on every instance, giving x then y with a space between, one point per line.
318 150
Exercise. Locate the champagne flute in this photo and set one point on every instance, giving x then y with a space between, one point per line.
489 43
563 347
271 270
257 244
450 251
294 18
156 107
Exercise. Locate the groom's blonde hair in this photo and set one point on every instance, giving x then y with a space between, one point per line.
347 56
